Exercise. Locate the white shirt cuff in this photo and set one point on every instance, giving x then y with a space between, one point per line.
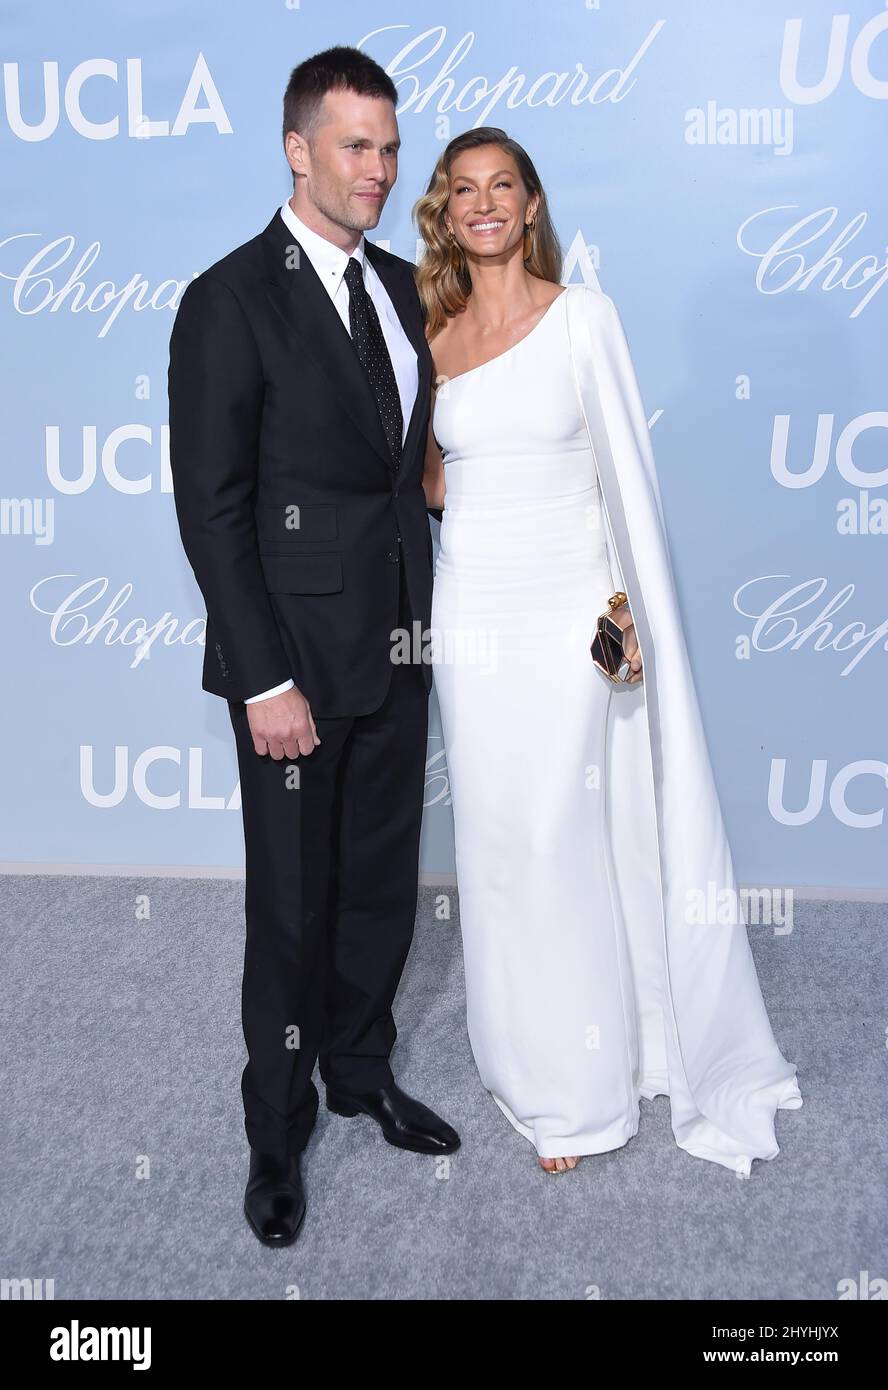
267 694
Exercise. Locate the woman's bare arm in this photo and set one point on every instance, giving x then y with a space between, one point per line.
433 474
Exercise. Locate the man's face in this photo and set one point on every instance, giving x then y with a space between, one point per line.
350 165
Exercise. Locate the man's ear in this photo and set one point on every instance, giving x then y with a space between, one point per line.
296 150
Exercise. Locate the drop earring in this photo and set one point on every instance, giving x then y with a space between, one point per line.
528 238
456 255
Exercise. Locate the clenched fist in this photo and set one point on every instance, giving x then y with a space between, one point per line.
283 725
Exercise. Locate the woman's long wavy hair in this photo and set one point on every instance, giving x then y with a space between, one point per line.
442 276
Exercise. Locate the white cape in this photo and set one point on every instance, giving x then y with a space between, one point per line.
708 1043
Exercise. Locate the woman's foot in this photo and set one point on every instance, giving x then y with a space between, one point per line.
559 1165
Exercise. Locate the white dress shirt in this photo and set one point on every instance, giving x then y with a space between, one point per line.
329 262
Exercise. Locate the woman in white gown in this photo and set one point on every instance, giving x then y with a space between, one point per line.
572 1010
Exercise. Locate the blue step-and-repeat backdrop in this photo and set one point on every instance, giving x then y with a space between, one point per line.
717 168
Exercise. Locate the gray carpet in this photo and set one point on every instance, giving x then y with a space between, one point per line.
123 1047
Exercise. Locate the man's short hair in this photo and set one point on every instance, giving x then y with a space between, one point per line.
336 69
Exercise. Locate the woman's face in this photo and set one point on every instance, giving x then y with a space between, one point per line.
488 204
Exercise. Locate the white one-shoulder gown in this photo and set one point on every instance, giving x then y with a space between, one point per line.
554 1005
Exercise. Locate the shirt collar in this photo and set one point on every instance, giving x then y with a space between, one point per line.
328 261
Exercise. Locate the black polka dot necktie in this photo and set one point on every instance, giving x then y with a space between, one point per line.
374 355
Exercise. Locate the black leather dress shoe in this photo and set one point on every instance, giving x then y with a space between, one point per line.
405 1122
274 1202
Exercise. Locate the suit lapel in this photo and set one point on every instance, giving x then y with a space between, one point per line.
298 295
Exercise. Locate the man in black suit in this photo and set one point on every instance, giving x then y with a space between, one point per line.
299 388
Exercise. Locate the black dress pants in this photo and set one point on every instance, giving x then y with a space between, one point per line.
332 862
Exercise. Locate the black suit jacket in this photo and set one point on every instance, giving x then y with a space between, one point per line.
289 508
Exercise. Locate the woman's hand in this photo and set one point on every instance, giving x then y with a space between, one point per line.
623 619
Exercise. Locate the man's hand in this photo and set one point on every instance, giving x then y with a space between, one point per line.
623 619
283 725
